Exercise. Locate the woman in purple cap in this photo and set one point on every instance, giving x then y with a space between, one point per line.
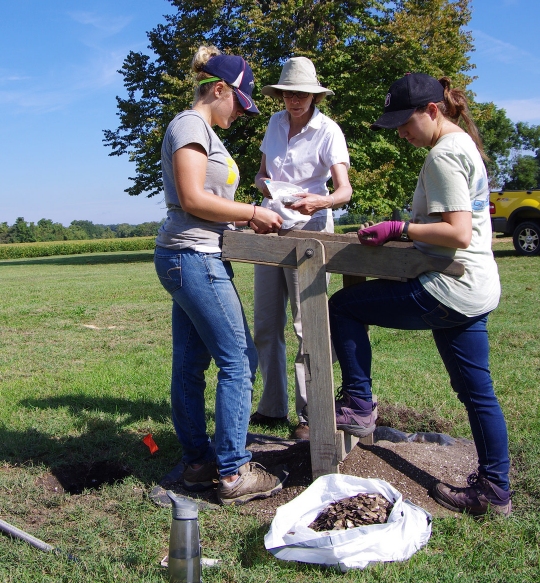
450 218
200 179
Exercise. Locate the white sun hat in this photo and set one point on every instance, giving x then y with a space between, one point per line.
298 74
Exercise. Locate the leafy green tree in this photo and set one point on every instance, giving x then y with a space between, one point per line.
149 229
351 219
524 174
123 230
107 232
529 137
22 232
88 227
4 232
359 48
529 140
92 231
499 137
507 145
46 230
76 233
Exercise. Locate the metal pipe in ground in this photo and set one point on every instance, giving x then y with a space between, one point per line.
35 542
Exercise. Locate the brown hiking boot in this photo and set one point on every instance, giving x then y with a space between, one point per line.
479 496
301 431
253 482
202 478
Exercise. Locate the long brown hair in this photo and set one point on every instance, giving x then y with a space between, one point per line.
455 108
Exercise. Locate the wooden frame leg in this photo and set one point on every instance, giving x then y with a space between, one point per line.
326 443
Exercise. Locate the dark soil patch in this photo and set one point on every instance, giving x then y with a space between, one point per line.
50 483
411 468
77 478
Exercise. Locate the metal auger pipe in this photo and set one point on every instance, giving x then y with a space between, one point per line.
35 542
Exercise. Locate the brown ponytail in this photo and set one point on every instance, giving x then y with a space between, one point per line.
456 109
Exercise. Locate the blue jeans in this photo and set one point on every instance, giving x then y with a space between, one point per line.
461 341
208 322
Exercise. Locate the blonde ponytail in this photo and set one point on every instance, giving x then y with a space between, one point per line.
202 56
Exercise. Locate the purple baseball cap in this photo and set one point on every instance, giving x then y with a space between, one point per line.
405 96
236 73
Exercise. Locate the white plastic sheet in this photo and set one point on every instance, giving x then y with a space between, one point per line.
281 193
408 527
279 190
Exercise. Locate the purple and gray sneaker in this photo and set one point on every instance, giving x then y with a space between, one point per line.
354 415
477 498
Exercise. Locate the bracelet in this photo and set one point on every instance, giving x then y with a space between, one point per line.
249 222
404 236
333 201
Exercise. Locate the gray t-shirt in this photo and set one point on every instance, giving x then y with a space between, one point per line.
183 230
454 178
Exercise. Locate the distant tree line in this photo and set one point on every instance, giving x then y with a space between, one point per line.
45 230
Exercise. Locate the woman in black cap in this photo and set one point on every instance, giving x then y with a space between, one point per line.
450 218
199 180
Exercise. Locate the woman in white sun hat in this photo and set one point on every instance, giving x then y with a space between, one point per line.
305 148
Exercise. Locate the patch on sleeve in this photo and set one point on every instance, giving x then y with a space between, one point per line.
233 171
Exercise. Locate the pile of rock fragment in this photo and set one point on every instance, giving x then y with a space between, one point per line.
359 510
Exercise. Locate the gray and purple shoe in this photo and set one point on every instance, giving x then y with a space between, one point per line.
354 415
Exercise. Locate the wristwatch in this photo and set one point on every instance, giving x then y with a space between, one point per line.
404 236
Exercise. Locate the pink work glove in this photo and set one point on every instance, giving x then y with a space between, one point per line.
380 233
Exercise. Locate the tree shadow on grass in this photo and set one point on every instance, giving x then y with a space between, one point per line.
497 253
86 259
105 446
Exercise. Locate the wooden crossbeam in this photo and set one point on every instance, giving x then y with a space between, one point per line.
343 255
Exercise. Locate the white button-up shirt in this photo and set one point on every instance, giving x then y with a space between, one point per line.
304 160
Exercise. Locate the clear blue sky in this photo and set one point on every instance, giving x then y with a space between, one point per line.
58 84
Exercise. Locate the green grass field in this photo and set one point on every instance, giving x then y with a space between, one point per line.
84 375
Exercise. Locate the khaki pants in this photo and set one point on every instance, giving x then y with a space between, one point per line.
274 286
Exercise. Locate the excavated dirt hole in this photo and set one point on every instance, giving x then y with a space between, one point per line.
411 420
77 478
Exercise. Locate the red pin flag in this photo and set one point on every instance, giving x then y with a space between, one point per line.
150 443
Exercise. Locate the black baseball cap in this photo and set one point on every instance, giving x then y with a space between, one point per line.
405 96
236 73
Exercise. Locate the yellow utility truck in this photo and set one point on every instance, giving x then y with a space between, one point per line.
516 213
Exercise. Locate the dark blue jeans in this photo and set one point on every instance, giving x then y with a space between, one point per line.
461 341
